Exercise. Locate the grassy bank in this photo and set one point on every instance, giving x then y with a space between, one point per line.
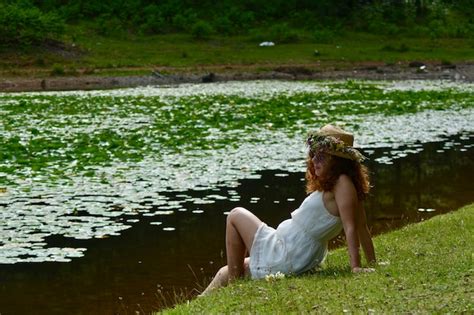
91 54
428 270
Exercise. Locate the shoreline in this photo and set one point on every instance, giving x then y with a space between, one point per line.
454 72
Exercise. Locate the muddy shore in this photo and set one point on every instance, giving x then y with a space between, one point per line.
418 71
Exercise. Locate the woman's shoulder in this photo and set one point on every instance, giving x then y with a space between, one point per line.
344 182
344 179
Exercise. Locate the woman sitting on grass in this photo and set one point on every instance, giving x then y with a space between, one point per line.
337 184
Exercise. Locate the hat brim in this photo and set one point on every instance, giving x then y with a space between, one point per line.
353 154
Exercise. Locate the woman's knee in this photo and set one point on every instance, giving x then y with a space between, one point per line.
223 271
222 276
234 213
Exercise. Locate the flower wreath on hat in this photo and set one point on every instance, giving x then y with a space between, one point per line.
332 145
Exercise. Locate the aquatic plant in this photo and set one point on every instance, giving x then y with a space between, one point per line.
78 164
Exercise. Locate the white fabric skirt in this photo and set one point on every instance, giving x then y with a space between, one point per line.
286 250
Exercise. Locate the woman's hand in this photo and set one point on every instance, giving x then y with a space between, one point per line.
359 270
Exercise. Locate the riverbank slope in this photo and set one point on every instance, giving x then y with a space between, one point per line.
424 267
98 62
359 71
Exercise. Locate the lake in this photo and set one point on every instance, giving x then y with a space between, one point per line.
115 201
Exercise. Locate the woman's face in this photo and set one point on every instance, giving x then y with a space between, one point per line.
320 162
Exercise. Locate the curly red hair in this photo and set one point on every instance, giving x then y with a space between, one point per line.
357 172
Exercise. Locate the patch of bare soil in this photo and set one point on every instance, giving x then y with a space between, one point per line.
167 75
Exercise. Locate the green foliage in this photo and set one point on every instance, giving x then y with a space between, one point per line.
435 19
154 22
184 21
26 25
373 19
57 70
211 121
107 25
201 30
444 22
284 19
224 26
233 21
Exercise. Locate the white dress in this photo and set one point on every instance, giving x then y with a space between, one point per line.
298 244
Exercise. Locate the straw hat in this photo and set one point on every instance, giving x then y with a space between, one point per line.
335 141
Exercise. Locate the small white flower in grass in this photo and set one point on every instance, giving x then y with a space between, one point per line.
274 277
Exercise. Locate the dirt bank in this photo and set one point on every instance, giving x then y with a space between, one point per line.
161 76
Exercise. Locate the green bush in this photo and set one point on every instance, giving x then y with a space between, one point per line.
150 21
239 20
153 26
436 29
223 25
184 21
180 22
32 21
456 25
439 20
232 22
27 25
201 30
107 25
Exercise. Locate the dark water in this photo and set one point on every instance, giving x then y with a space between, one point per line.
141 270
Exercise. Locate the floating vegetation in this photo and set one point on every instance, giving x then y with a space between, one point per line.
426 210
78 164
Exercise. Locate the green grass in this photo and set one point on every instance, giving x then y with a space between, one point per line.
429 270
127 55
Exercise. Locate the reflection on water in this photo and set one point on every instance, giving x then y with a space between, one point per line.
175 251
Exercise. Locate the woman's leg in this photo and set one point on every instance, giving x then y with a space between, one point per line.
221 278
240 231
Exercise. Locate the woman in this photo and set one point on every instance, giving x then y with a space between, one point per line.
337 184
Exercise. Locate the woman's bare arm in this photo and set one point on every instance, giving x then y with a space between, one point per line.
346 199
365 237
